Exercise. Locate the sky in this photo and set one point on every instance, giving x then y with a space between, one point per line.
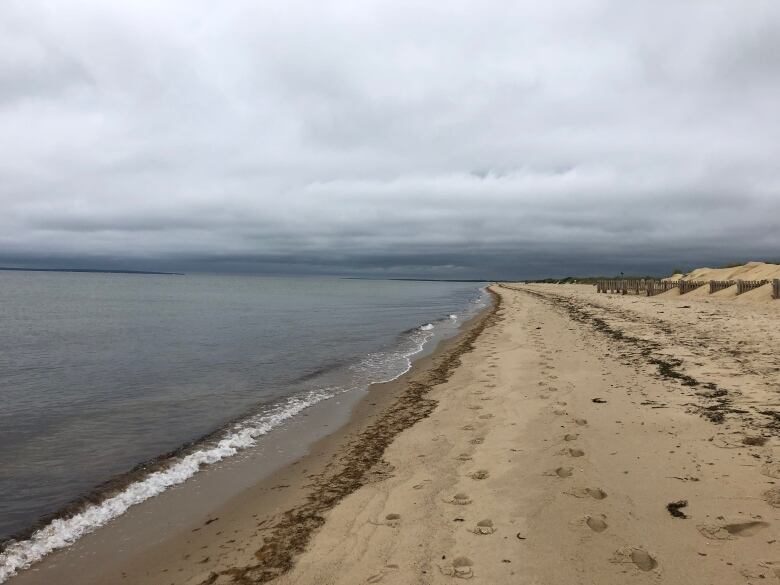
449 139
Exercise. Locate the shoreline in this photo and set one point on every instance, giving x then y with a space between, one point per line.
285 487
573 445
562 437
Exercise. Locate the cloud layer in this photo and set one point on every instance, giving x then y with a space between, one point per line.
504 139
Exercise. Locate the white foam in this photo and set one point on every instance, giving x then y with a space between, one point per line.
453 317
378 363
64 532
426 327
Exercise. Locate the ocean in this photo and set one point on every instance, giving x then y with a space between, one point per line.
114 387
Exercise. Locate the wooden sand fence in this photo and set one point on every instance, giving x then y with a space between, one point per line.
656 287
687 286
716 285
745 285
635 286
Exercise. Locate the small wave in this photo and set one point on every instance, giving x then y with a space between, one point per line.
63 532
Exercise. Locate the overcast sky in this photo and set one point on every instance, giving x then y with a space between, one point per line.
461 139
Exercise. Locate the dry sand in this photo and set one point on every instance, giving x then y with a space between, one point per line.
569 438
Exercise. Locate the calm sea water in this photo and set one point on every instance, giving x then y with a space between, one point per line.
101 372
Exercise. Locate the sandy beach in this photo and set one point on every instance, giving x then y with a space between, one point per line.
399 293
586 439
563 437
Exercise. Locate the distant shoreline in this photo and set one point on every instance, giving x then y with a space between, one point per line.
417 279
89 270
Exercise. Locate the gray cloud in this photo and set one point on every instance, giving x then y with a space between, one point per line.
499 139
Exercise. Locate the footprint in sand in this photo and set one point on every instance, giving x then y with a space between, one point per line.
477 441
580 422
461 568
729 531
393 520
377 578
459 499
561 472
467 428
463 457
485 416
772 497
595 493
642 559
480 474
771 469
576 452
571 437
595 523
484 527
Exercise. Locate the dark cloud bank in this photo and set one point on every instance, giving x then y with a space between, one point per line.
462 139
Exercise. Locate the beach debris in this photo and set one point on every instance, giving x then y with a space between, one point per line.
480 474
598 400
675 507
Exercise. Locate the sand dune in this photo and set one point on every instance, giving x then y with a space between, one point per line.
747 271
